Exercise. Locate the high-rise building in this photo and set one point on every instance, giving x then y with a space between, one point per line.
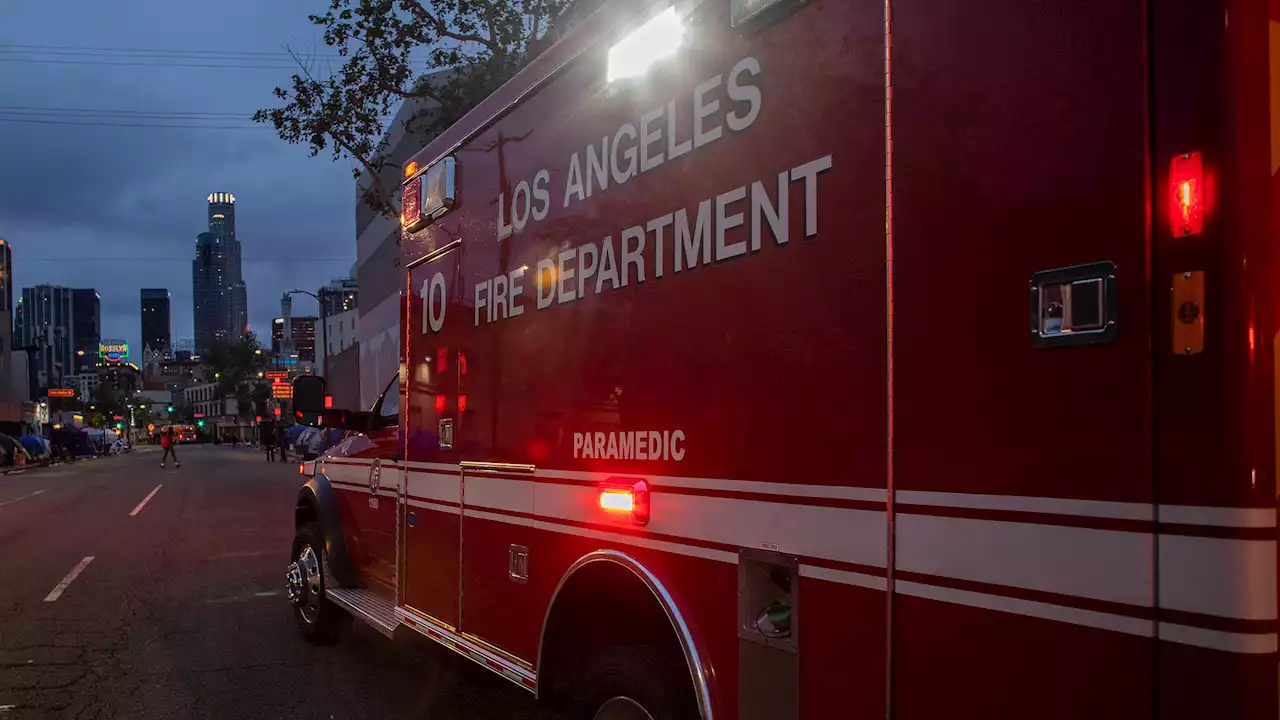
301 338
14 387
209 292
6 280
86 328
155 321
218 290
222 222
338 296
44 323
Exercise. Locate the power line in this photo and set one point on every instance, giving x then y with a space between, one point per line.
162 64
55 49
166 58
94 123
124 113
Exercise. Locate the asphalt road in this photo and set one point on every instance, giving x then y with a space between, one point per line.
181 611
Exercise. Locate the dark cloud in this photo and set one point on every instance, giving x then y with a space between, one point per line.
118 208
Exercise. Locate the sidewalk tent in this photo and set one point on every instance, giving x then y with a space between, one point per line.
13 449
38 447
294 432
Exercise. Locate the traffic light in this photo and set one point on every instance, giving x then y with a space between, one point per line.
170 408
119 426
200 423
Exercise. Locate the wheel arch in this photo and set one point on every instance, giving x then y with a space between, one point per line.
316 503
589 573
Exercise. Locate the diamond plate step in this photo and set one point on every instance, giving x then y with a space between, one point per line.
366 605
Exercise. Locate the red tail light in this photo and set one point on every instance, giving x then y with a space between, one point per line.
633 500
1186 195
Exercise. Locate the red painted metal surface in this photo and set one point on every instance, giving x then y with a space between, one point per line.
1025 138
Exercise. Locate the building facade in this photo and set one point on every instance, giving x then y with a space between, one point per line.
44 323
222 222
86 384
299 339
203 399
14 387
340 331
218 292
156 321
338 296
210 296
86 327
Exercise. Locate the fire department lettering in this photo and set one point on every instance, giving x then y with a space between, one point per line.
630 445
634 149
679 241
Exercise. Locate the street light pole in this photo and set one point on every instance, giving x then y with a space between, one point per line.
324 327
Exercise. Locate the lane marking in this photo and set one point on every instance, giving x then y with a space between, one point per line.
24 497
62 586
145 499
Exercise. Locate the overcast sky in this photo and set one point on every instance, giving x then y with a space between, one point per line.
118 208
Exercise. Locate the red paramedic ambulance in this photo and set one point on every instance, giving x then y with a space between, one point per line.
837 359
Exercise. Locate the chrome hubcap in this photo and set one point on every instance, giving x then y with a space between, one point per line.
622 708
293 583
302 581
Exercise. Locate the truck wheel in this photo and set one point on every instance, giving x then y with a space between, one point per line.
318 619
632 683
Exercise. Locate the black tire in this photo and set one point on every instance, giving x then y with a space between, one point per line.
632 683
319 620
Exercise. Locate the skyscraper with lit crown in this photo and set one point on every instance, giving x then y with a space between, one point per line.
220 299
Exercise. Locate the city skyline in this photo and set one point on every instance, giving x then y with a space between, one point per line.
140 195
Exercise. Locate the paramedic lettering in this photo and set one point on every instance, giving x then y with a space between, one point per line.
630 445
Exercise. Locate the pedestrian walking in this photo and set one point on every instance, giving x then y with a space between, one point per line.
282 440
169 444
269 443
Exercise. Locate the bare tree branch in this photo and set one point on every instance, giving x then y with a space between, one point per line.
471 48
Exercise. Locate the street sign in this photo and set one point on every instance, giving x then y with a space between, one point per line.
199 415
62 392
281 390
276 374
117 417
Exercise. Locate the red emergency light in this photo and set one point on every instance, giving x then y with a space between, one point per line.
411 204
1186 194
633 500
328 403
